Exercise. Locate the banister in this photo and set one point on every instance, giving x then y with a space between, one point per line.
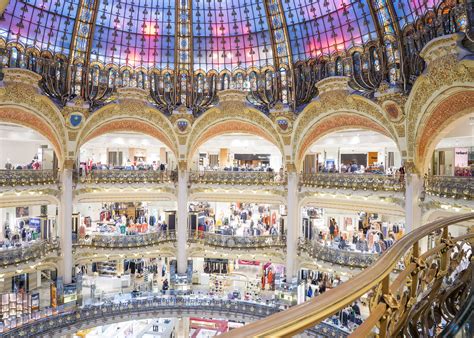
310 313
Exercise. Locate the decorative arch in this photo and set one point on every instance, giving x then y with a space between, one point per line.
27 118
437 118
133 116
216 122
333 123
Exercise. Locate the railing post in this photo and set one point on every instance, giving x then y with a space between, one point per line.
414 275
445 252
384 320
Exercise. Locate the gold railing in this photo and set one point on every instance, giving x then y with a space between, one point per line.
237 177
13 178
127 176
237 242
400 301
373 182
126 241
450 186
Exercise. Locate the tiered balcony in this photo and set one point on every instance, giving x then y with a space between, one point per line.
450 187
372 182
248 178
128 177
38 250
27 178
237 242
328 254
156 306
126 241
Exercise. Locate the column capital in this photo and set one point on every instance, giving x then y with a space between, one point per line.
291 168
182 165
68 164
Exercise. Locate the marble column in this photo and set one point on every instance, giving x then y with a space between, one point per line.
413 212
65 210
292 226
182 227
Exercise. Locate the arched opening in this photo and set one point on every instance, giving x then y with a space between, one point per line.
453 154
26 158
24 148
237 151
125 150
354 151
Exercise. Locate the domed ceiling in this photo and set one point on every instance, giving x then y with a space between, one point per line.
184 51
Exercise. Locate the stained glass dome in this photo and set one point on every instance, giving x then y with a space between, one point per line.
276 49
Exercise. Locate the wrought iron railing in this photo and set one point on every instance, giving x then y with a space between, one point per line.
237 242
450 186
13 178
325 253
127 176
412 302
238 177
28 252
126 241
353 181
152 306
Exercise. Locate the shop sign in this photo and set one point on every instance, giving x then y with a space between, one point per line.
461 157
70 298
35 301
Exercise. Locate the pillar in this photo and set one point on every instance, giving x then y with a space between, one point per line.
163 155
65 210
182 327
223 157
182 215
292 226
413 189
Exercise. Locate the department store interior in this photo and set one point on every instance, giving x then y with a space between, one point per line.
245 169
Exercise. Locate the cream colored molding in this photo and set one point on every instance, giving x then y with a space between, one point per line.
132 93
444 46
223 193
24 76
29 196
100 193
332 84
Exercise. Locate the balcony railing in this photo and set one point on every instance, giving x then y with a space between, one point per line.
15 178
27 253
325 253
151 306
402 303
126 241
114 176
238 177
353 181
237 242
450 186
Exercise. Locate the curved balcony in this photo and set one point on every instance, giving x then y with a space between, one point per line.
352 181
401 303
151 307
325 253
114 176
29 253
126 241
450 186
248 178
237 242
21 178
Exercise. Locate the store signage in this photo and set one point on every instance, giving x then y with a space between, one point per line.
70 298
461 157
245 262
35 301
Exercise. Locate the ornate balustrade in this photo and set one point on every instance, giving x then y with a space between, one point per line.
352 181
126 241
411 302
450 186
237 177
28 253
151 307
237 242
14 178
127 177
325 253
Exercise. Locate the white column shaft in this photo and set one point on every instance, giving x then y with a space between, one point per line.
292 227
182 228
66 225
